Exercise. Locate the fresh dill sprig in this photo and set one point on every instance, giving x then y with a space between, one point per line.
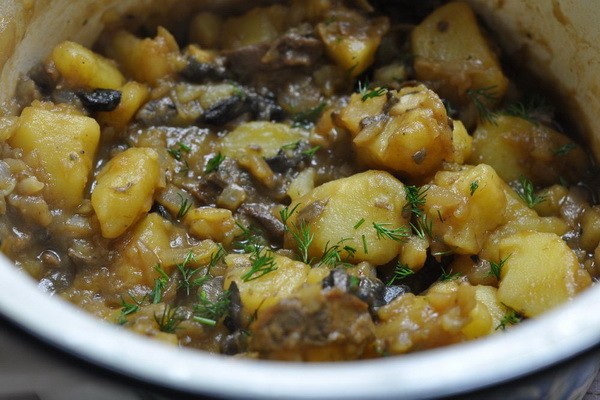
377 92
208 312
448 275
534 108
423 226
169 319
496 267
184 207
310 153
415 198
401 271
527 193
187 273
474 187
176 152
565 149
214 163
216 257
510 318
160 284
399 234
300 232
482 98
262 261
306 118
333 255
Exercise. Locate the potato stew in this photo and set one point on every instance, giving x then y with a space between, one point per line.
315 180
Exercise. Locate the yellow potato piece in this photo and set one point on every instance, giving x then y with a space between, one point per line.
124 190
342 212
516 147
404 131
464 206
60 144
265 139
81 67
352 40
133 96
451 51
259 25
262 292
145 60
540 272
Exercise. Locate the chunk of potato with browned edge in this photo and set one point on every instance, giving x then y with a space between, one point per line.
464 206
124 189
417 322
213 223
351 40
516 147
343 212
150 243
60 144
540 272
259 25
81 67
145 60
406 131
260 292
452 52
133 96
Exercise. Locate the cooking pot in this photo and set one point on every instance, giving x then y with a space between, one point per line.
554 356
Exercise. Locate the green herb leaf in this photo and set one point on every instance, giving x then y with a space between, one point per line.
160 284
377 92
474 187
482 98
527 193
176 152
208 312
565 149
306 118
510 318
496 268
214 163
184 207
263 262
401 271
399 234
311 152
168 320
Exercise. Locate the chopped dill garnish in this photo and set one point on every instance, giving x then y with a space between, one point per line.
187 273
364 243
565 149
399 234
262 261
474 187
160 284
311 152
377 92
333 255
214 163
359 223
291 146
306 118
300 232
401 271
448 275
496 267
527 193
184 207
176 152
510 318
482 98
423 226
208 312
415 198
169 320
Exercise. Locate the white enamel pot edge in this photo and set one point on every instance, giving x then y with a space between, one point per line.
562 333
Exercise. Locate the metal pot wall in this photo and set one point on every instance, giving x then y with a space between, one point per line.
554 356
